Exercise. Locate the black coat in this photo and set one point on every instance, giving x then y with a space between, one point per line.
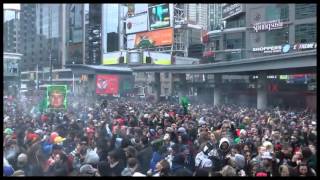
116 171
144 157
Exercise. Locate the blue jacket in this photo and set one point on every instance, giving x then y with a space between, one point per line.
156 157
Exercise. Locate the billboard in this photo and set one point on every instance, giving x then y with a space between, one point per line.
137 8
113 57
229 10
137 23
159 16
107 84
130 41
140 8
154 38
56 97
157 58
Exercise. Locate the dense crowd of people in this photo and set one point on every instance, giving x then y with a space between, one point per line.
127 137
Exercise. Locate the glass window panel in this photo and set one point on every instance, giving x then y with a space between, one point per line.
305 11
305 33
277 37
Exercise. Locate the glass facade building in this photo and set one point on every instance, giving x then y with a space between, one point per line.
11 28
75 33
41 30
110 27
215 16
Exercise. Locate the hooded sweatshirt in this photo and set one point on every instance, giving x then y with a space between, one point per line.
220 160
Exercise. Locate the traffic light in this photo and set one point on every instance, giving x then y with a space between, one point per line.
121 60
148 60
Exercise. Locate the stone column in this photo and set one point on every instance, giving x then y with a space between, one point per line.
157 86
183 90
262 102
217 89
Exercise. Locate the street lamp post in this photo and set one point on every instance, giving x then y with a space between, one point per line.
50 41
73 80
50 59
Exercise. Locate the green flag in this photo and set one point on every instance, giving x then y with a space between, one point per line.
42 105
184 101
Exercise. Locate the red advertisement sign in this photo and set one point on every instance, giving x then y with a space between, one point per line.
107 84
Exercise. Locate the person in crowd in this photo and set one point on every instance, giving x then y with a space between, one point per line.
116 165
145 154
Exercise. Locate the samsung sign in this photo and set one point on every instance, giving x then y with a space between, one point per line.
137 23
268 25
229 10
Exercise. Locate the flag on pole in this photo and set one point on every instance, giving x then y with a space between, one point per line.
42 105
184 101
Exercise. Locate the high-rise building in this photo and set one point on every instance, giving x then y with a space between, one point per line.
41 35
110 27
197 14
215 16
11 27
94 34
75 33
11 51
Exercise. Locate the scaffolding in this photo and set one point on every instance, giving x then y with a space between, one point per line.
179 18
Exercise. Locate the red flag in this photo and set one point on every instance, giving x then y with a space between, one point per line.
107 84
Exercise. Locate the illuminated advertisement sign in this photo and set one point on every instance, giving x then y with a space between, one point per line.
137 23
285 48
107 84
113 57
159 16
159 37
229 10
158 58
268 25
303 46
56 97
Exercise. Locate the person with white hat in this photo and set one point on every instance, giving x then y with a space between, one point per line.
268 165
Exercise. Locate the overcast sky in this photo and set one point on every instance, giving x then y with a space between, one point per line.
11 6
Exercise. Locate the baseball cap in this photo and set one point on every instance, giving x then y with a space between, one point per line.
59 139
266 155
182 130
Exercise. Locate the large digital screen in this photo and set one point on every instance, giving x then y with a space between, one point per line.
107 84
155 38
137 23
56 97
159 16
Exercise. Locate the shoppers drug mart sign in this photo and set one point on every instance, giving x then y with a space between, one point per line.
269 49
285 48
268 25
